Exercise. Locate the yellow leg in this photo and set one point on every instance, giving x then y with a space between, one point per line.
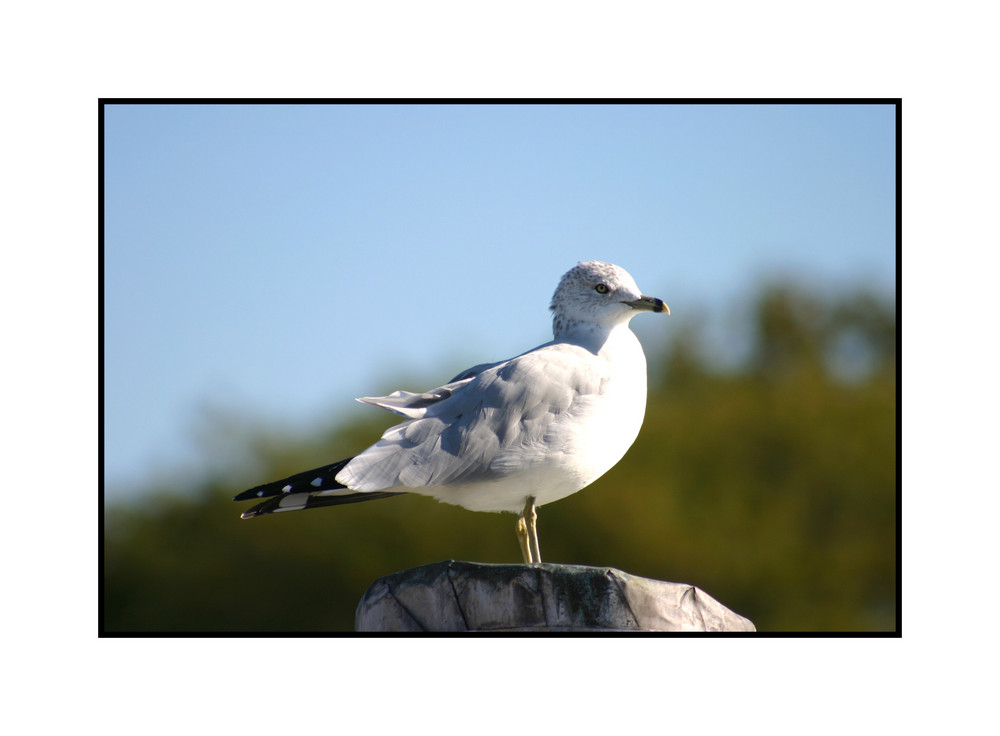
522 539
527 532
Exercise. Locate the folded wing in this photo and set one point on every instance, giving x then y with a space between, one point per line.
463 432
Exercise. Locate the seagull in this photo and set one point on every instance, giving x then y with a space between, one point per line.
509 436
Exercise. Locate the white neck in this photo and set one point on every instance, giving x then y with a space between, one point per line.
587 335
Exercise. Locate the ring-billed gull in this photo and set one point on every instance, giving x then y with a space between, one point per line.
507 436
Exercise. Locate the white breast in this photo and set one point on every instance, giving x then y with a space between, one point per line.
581 445
608 423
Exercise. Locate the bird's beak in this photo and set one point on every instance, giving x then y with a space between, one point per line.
649 304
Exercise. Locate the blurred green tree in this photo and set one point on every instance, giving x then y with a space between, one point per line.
771 485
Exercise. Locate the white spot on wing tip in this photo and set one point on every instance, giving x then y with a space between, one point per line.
286 489
317 482
260 493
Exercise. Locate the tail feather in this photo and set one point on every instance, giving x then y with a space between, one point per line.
302 501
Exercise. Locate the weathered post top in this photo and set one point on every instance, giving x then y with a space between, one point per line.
472 596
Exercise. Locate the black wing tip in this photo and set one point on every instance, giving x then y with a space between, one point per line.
258 492
305 482
315 502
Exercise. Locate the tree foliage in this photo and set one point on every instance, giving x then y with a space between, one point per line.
771 485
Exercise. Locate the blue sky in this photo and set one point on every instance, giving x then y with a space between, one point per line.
280 260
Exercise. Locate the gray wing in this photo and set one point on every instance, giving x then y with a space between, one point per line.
459 433
476 370
413 405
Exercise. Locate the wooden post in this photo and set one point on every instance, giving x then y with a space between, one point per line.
471 596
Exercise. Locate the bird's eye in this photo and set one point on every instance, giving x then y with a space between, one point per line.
602 288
